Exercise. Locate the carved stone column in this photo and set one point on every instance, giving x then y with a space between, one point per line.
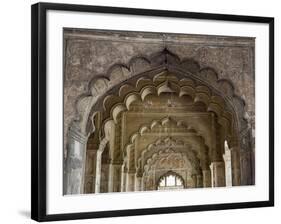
235 161
98 171
130 185
110 177
194 180
104 176
114 180
124 178
142 184
75 162
207 178
218 174
253 162
199 180
246 158
235 166
217 165
98 164
138 181
228 166
90 171
245 161
206 172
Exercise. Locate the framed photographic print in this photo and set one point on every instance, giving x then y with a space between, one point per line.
139 111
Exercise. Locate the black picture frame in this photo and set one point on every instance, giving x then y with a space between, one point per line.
38 108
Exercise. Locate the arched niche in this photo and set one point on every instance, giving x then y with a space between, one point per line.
166 161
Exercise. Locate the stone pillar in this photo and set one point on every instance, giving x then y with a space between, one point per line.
90 171
98 164
207 178
217 165
199 180
110 177
123 178
104 177
253 162
194 180
245 161
130 185
206 172
98 172
235 166
75 162
228 167
117 177
114 179
142 184
218 174
138 180
138 183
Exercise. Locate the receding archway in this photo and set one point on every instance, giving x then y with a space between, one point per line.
179 89
195 104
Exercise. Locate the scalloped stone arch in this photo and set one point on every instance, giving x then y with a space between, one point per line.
158 159
183 87
181 148
168 122
164 153
200 93
154 64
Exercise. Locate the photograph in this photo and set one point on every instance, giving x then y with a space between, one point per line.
152 111
140 112
148 111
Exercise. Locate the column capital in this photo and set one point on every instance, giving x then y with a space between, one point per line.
102 145
75 133
139 172
132 171
217 163
125 169
117 162
233 142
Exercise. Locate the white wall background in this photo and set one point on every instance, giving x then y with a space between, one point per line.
15 110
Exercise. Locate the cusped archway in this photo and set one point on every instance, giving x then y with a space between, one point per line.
119 112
